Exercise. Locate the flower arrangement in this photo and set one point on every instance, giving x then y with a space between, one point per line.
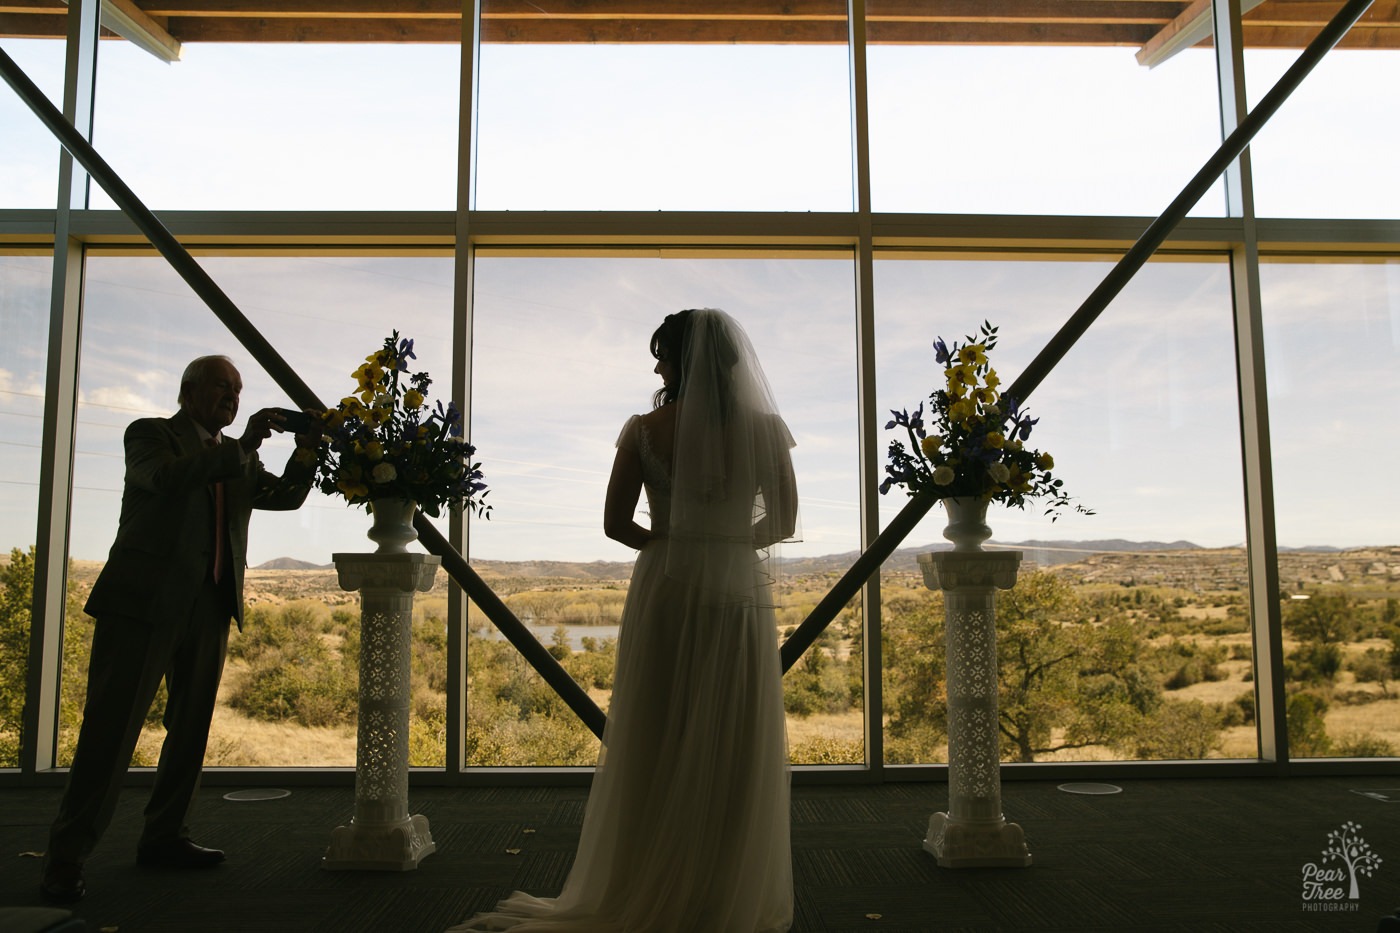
975 443
385 442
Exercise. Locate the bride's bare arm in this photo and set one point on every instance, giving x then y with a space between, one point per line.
780 521
624 489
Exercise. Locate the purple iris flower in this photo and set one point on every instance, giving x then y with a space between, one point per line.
405 354
940 351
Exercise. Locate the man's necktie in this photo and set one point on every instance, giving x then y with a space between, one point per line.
220 523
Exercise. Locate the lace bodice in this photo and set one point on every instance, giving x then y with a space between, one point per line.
656 478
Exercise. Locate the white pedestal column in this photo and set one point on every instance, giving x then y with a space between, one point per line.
973 833
382 835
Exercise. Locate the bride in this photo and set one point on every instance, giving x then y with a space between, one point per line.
687 824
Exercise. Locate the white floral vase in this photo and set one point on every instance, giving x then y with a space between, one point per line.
967 522
393 525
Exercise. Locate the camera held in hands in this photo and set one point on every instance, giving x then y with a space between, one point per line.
297 422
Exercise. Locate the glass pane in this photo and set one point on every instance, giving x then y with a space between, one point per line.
1326 153
289 687
1038 130
633 126
29 157
1339 540
24 318
1126 635
285 127
561 361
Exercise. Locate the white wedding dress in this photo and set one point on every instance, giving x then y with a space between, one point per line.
687 824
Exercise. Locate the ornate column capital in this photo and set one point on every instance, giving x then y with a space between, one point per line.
952 570
404 573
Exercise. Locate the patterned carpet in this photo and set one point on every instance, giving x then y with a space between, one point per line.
1199 855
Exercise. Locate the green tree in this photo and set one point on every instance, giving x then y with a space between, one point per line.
16 607
1178 729
1322 619
16 600
1307 727
1065 682
1068 674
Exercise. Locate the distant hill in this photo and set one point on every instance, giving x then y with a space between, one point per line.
1043 553
558 569
291 563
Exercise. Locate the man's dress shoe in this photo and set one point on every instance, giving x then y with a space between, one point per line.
63 882
177 853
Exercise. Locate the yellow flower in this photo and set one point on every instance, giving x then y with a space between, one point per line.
985 396
962 376
351 490
1045 462
992 379
412 400
368 376
374 451
974 354
994 439
930 445
962 410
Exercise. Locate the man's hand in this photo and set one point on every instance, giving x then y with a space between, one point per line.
259 429
314 435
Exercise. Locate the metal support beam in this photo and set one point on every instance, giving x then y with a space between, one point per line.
39 730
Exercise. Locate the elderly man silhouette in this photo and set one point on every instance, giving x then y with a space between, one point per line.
162 605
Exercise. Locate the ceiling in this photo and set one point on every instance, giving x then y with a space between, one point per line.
1155 27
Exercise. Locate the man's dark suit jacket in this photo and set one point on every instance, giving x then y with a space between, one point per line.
165 536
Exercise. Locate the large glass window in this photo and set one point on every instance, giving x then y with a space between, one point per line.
24 307
1038 130
29 157
586 126
561 361
282 126
1327 152
1126 635
1332 339
289 689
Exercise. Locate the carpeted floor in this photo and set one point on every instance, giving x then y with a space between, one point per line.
1199 855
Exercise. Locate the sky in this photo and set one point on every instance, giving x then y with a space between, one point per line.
1141 416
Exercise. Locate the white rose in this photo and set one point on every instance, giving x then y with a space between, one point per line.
998 471
943 475
384 473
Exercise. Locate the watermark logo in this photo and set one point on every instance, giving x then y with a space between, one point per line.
1334 882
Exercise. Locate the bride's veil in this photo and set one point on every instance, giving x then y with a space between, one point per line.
732 496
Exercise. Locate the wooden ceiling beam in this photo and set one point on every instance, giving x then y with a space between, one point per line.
32 26
340 9
1383 13
1276 23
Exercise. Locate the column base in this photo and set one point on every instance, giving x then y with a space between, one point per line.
976 845
384 847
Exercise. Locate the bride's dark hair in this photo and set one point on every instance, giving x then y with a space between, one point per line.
668 343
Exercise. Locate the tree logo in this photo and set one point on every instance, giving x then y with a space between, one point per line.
1334 883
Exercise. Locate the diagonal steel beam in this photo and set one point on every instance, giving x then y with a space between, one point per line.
885 543
283 374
